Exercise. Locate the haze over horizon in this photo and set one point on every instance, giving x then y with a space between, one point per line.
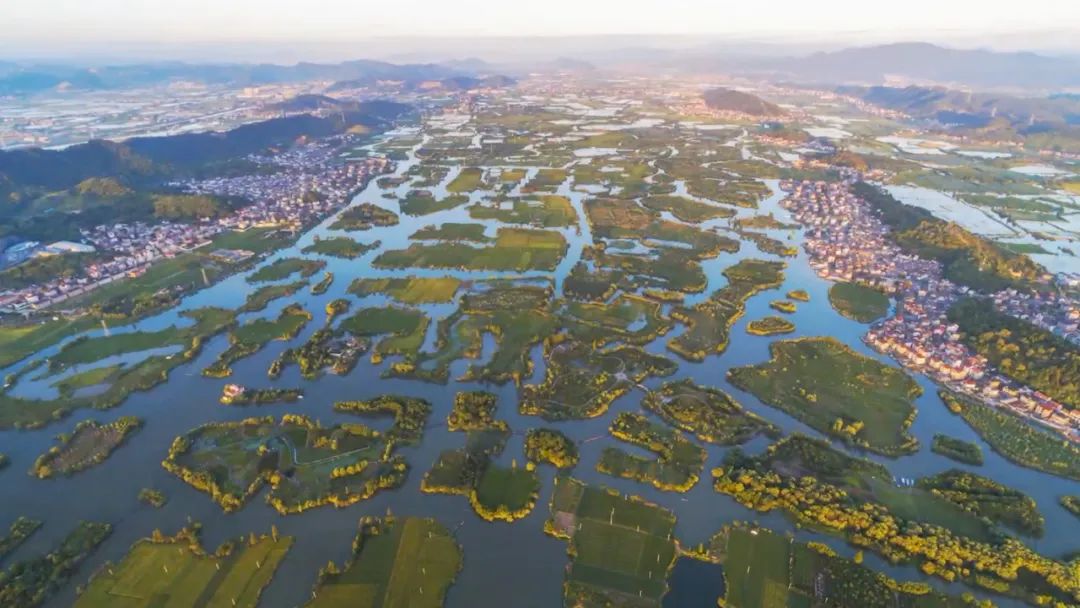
328 30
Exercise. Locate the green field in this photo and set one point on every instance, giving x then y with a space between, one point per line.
398 563
547 211
284 268
409 290
837 391
621 547
176 572
469 180
514 249
341 247
858 302
451 231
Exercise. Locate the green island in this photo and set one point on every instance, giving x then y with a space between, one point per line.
325 349
451 231
410 415
545 179
770 326
582 382
474 411
87 445
518 249
675 465
543 211
629 318
409 290
517 314
986 498
305 465
831 492
784 306
858 302
764 568
551 446
763 222
251 337
837 391
404 330
1021 350
769 245
153 497
340 247
364 216
284 268
800 295
708 413
423 202
469 179
686 209
957 449
1015 438
396 561
28 583
323 285
177 571
153 370
496 493
1070 503
621 548
237 395
615 219
20 530
709 323
261 297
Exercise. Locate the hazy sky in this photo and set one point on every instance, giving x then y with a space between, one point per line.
39 25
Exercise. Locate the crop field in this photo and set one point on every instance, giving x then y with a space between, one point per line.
515 249
547 211
622 546
401 563
156 574
409 290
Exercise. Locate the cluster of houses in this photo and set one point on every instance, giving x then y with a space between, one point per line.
301 187
847 242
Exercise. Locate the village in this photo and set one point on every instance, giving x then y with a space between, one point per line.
307 183
847 242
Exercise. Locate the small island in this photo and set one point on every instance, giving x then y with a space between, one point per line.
675 467
784 306
708 413
235 394
550 446
152 497
1070 503
770 326
858 302
364 217
956 449
88 444
340 247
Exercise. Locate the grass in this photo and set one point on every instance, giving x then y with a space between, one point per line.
341 247
547 211
510 492
470 179
399 563
858 302
451 231
837 391
409 290
685 209
174 573
286 267
515 249
759 564
261 331
20 341
87 379
621 547
422 202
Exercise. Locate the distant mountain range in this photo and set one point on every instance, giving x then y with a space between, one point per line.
929 63
975 110
737 101
34 170
411 84
17 79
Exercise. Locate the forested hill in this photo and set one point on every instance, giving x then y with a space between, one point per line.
35 169
737 101
966 258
